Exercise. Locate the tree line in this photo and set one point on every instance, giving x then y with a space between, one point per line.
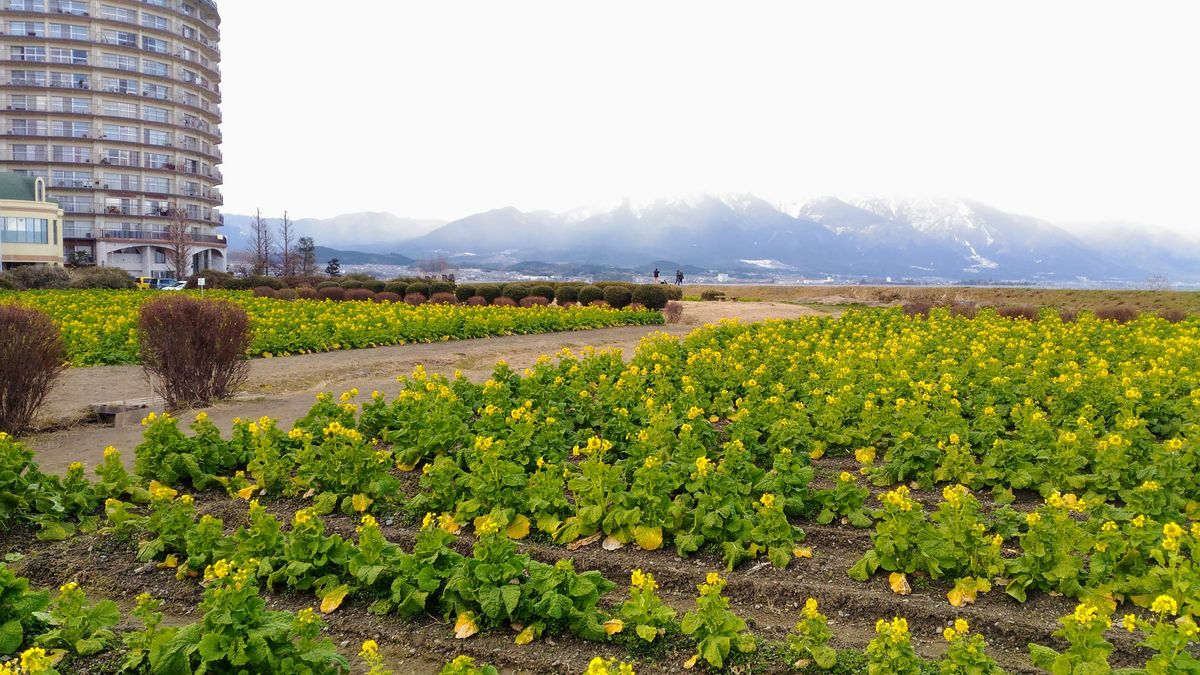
278 250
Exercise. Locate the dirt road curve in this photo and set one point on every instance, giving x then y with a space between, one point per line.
284 387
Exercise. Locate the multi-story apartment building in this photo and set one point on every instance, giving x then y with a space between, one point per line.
116 104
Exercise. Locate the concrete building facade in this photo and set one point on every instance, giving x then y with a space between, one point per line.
30 223
115 104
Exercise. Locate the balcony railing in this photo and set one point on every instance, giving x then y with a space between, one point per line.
137 235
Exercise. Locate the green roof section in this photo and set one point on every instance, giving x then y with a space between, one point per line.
19 188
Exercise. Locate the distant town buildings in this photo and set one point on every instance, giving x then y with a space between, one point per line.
115 104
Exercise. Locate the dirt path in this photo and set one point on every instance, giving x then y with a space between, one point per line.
283 388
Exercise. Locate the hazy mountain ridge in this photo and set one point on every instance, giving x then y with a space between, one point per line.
949 239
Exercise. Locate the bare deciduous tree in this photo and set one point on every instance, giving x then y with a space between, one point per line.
287 253
262 240
434 266
179 242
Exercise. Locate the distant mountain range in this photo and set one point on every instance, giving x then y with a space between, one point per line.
930 239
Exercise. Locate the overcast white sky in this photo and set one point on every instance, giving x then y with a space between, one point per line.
1069 110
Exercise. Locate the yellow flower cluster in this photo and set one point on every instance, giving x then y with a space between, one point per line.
958 630
642 580
898 498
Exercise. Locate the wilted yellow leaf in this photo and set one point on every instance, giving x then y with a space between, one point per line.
518 529
170 563
247 492
899 583
406 467
649 538
333 599
691 663
611 543
586 541
465 626
525 637
613 626
361 502
157 488
957 597
802 552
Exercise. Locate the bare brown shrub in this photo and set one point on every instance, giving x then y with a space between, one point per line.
415 299
504 301
964 309
1172 315
1118 314
673 312
359 294
264 292
443 298
332 293
386 296
306 293
193 351
476 301
534 301
1068 315
918 307
286 294
32 356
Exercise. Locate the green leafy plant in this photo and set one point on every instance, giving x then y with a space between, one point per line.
19 608
714 628
809 641
845 500
238 634
1087 650
76 625
891 651
140 643
644 610
965 652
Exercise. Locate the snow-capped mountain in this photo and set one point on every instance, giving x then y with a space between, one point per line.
948 239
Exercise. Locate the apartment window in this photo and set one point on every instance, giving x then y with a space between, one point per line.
76 7
21 53
158 91
187 75
158 160
71 129
118 14
25 230
70 80
27 28
28 78
121 62
153 113
156 3
155 137
28 127
120 157
72 56
27 5
117 37
71 153
157 184
192 189
71 179
74 204
155 21
155 68
155 45
67 31
26 102
78 229
29 153
188 32
191 99
31 173
120 207
116 132
117 109
160 256
120 182
120 85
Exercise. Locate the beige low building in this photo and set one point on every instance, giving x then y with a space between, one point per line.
30 225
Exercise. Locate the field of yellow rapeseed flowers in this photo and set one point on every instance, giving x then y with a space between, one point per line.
969 495
100 326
